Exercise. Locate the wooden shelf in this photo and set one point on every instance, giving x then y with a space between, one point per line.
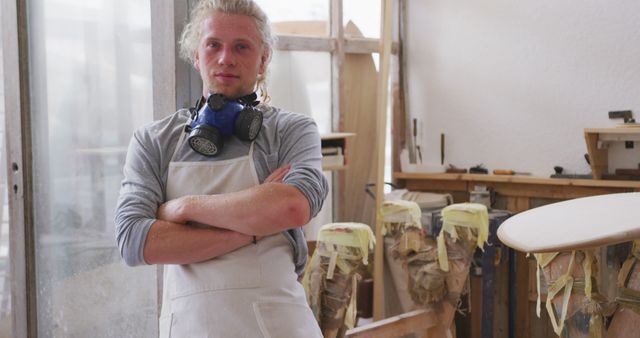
598 140
339 142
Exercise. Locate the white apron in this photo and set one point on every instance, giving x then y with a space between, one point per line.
250 292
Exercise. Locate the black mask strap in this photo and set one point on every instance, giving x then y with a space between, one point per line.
251 99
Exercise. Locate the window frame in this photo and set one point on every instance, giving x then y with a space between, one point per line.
19 164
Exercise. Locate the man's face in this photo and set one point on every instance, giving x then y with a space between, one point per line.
230 55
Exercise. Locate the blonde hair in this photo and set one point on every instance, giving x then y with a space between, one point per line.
191 34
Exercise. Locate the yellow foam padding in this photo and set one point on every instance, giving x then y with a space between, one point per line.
626 296
349 234
407 212
351 313
564 282
472 215
356 235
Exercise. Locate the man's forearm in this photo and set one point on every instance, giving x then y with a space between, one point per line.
173 243
261 210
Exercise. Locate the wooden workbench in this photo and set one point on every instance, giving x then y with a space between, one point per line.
516 194
518 190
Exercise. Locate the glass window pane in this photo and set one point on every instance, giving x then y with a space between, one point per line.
5 281
296 87
90 85
365 14
284 13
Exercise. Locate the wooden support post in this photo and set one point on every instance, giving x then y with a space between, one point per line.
598 158
383 92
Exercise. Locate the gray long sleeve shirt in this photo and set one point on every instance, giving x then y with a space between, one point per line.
285 138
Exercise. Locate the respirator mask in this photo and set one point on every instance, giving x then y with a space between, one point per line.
220 117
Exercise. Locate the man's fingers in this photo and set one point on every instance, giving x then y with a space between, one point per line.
278 174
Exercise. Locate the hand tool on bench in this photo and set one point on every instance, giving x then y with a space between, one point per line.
509 172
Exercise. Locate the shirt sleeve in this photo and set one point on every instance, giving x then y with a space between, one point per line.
141 192
300 147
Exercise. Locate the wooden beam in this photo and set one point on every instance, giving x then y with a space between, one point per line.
305 43
355 45
411 322
361 45
336 32
383 94
350 45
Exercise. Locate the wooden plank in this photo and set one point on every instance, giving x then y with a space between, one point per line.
397 326
619 130
359 85
383 93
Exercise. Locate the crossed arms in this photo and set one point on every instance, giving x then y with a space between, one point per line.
234 219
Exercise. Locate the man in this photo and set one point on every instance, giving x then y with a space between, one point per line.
234 274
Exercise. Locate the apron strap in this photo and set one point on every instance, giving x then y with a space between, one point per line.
254 171
180 139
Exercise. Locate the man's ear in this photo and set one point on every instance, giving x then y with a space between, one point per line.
263 61
196 61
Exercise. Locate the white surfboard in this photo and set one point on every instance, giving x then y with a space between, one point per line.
575 224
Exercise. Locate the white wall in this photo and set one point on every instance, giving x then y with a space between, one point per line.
512 84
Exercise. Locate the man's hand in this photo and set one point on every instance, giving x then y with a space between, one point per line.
172 211
278 175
